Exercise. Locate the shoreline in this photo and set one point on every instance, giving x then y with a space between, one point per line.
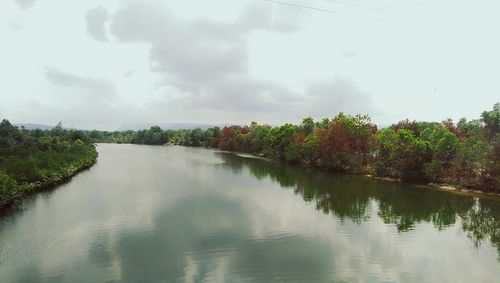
441 187
28 189
435 186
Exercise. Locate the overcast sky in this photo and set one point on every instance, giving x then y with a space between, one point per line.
106 64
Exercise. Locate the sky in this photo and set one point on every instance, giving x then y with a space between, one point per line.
116 63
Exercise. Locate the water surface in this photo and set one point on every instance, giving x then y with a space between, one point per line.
176 214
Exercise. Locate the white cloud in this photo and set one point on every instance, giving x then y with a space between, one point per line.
25 4
96 19
234 61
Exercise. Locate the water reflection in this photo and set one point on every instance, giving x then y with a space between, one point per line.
349 197
175 214
184 245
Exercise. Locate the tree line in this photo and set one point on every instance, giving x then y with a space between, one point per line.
34 159
465 154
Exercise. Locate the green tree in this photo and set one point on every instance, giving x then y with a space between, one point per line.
491 119
307 126
8 189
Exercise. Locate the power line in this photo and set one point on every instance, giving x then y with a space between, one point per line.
321 10
357 4
303 7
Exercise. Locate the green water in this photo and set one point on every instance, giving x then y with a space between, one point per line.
176 214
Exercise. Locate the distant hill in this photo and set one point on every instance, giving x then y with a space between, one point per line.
32 126
169 126
133 127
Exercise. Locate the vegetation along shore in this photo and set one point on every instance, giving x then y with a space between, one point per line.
31 160
465 155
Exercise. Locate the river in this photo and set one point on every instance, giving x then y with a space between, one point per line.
178 214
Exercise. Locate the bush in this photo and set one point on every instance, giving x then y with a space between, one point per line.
30 160
8 189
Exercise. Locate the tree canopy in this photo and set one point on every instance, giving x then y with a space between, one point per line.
465 154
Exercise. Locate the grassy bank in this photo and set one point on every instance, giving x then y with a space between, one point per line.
36 159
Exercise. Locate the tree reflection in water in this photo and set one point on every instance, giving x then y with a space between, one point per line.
349 197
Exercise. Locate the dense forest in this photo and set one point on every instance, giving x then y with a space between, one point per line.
465 154
34 159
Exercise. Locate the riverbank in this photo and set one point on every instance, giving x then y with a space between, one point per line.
33 160
465 154
441 187
435 186
10 196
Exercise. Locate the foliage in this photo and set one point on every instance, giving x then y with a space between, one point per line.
465 154
491 120
347 143
30 160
